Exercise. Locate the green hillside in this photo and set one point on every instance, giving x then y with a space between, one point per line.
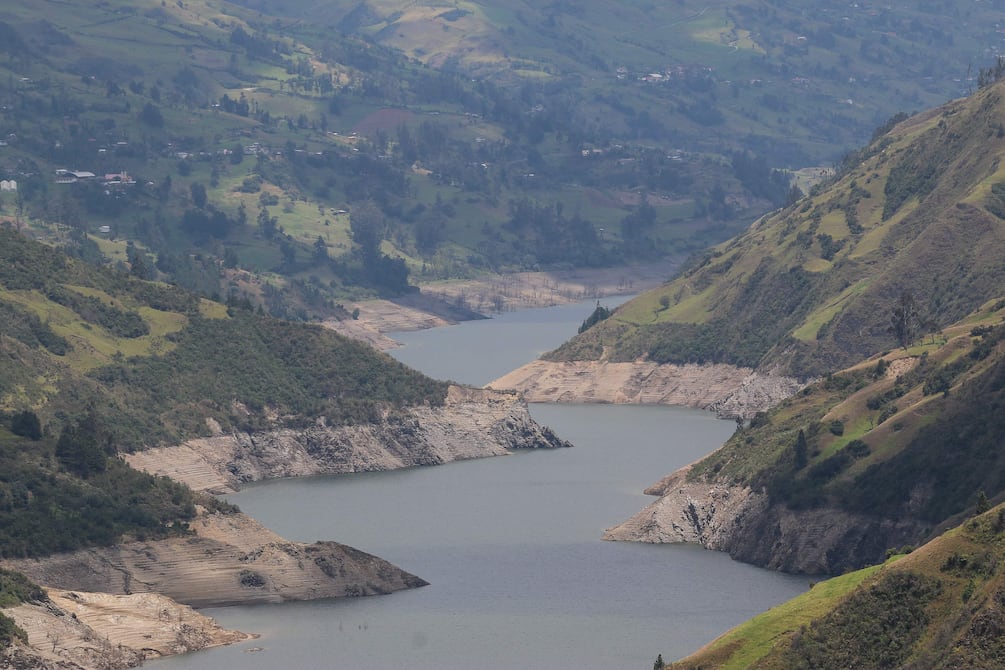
904 241
241 154
797 82
902 444
938 607
95 363
340 151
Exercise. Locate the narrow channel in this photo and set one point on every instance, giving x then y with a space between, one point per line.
518 575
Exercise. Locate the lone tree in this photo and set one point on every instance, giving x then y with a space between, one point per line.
905 320
802 450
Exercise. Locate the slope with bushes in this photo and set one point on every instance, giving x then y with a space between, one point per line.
907 239
879 455
937 607
97 363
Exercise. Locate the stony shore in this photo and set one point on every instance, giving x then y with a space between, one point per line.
729 391
472 423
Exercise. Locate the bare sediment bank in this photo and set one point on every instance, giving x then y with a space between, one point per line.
228 559
114 607
730 391
745 524
82 630
445 303
473 423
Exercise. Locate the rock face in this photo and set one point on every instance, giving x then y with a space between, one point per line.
473 423
726 389
77 629
230 559
744 524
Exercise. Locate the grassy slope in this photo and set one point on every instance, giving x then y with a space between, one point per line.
110 364
937 607
920 200
907 437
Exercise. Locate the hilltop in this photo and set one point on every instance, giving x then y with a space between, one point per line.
937 607
880 455
905 240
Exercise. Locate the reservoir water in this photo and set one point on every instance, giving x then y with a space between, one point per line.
518 575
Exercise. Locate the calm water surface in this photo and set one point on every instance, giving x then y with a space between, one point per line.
518 577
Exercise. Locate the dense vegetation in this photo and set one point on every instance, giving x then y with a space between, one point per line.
300 372
96 362
60 495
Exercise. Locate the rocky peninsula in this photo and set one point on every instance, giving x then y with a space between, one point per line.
472 423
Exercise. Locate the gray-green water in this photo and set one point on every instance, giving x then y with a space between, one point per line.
518 577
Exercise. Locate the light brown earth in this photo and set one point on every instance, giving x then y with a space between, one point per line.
229 559
728 390
78 629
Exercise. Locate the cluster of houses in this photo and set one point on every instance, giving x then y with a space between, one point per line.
112 179
674 72
8 186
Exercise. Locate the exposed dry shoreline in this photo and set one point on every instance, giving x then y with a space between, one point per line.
231 558
114 607
78 629
729 391
473 423
448 302
743 523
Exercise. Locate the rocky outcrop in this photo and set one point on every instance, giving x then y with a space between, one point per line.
229 559
473 423
744 524
77 629
730 391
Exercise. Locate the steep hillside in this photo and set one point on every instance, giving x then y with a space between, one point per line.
876 456
907 240
938 607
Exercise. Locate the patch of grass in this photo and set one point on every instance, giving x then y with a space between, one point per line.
755 639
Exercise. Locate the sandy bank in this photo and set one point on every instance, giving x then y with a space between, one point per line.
230 559
78 629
